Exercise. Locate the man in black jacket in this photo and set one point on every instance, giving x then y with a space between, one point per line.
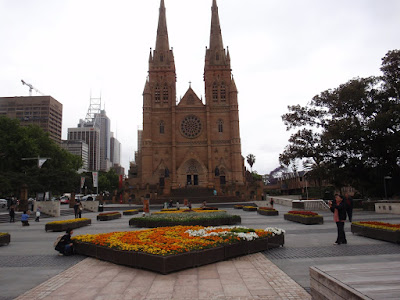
65 245
348 202
339 216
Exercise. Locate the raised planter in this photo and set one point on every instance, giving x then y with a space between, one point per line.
236 249
268 212
108 217
249 208
209 256
171 263
207 208
130 212
276 241
68 225
375 233
148 223
304 219
5 239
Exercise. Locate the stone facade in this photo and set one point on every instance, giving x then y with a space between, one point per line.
190 143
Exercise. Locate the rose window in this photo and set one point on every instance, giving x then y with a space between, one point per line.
191 126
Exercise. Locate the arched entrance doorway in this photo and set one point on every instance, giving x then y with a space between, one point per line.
192 174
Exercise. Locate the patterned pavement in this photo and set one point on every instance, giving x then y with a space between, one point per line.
247 277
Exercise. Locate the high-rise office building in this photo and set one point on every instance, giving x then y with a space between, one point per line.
79 148
91 136
102 122
115 150
44 111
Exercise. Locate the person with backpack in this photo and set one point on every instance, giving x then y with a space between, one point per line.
64 244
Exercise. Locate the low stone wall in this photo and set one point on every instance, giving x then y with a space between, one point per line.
387 208
51 208
281 201
90 205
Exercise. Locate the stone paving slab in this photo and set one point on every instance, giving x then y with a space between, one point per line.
247 277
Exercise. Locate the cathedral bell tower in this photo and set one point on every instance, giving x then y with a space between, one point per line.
158 98
222 100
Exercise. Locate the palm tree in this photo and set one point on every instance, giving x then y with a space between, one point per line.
251 159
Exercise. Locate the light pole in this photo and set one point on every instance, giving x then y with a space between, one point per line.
384 184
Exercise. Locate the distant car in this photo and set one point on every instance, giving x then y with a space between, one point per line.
3 203
64 200
89 197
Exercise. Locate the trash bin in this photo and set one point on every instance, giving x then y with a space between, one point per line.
101 207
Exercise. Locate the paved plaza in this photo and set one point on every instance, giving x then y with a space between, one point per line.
31 269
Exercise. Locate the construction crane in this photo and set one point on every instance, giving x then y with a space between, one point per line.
31 87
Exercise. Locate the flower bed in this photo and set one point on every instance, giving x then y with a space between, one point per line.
108 216
65 224
377 230
238 206
4 238
130 212
186 218
167 249
304 217
179 211
250 208
267 211
207 208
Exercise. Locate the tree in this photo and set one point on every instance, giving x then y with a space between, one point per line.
108 181
58 174
251 159
350 135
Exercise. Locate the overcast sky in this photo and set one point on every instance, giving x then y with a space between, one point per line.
283 52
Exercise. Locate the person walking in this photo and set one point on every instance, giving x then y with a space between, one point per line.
80 209
272 202
65 245
12 214
76 208
24 219
339 216
348 203
37 214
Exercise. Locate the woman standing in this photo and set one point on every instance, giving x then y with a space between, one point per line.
339 216
80 209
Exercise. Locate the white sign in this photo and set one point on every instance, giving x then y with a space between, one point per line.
95 179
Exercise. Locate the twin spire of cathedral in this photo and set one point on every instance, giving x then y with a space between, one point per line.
162 53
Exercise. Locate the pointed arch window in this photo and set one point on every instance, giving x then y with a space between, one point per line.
161 58
157 95
162 129
165 94
223 92
220 125
217 56
215 92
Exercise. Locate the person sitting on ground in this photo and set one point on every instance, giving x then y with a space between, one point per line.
65 245
24 219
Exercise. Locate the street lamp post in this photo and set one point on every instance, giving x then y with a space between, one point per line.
384 184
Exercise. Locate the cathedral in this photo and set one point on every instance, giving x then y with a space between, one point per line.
189 145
